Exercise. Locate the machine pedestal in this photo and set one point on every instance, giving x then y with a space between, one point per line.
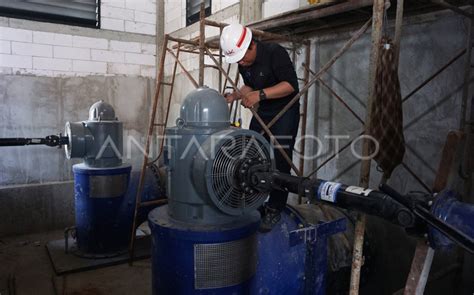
203 259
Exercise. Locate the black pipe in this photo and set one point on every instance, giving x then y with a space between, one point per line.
51 140
19 141
336 194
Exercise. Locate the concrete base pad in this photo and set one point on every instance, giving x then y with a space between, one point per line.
70 263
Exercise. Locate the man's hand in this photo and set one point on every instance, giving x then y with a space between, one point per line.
251 99
230 97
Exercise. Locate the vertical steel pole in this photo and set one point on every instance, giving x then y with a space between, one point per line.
305 106
202 29
220 62
305 112
398 29
377 25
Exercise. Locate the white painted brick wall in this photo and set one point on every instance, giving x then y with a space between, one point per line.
112 24
28 52
72 53
173 25
149 49
145 17
139 59
55 64
141 5
227 3
274 7
134 16
108 56
52 38
20 48
125 46
15 34
7 60
114 3
5 47
117 13
140 28
221 4
174 10
86 42
175 15
89 66
118 57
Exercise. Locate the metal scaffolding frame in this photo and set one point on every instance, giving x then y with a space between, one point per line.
204 48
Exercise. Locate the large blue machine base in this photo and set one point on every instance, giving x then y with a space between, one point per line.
193 259
200 259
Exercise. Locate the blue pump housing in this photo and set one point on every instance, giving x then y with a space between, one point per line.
202 259
103 220
104 207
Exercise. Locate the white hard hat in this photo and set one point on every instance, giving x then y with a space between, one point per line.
235 41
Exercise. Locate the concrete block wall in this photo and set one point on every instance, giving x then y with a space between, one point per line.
133 16
57 54
275 7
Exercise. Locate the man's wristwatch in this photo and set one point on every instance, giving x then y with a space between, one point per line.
262 95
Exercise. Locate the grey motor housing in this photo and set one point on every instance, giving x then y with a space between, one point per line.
203 154
98 140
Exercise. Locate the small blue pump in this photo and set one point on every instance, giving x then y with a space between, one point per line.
104 186
100 183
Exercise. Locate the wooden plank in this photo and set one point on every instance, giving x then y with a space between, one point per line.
420 261
448 155
315 13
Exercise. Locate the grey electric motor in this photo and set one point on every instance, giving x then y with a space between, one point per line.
204 240
97 140
204 155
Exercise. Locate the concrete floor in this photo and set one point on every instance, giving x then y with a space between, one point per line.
26 259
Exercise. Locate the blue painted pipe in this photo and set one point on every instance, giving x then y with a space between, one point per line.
459 215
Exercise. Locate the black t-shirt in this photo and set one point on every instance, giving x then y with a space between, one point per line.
272 65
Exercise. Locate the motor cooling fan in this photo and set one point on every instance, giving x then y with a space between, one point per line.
226 156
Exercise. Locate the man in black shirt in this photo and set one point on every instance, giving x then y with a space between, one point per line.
271 82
